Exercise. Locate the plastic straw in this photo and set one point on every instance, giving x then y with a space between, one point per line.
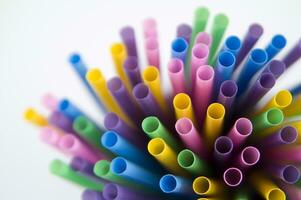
227 94
132 70
32 116
249 156
176 75
175 185
203 38
233 177
296 90
60 121
150 28
83 166
232 44
293 55
204 186
223 148
184 31
69 109
50 102
290 174
92 195
179 48
270 118
288 154
128 37
192 163
294 108
286 135
241 129
50 136
183 107
275 67
152 52
277 43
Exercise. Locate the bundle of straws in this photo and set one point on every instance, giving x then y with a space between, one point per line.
206 139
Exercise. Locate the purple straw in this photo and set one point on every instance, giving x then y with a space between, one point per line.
184 31
286 135
123 98
132 70
275 67
223 147
233 177
293 55
254 33
84 167
128 37
288 173
92 195
249 157
241 130
61 121
227 94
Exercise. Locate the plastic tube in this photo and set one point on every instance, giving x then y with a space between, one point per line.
50 136
184 31
92 195
204 186
132 70
249 156
32 116
232 44
50 102
286 135
83 166
192 163
270 118
127 34
176 75
223 148
60 121
241 129
175 185
227 94
152 52
275 67
203 38
179 48
277 43
293 55
233 177
183 107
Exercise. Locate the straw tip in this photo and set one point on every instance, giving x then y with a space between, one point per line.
74 58
94 75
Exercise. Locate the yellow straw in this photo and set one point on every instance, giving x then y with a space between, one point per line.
151 77
205 186
183 107
294 108
31 115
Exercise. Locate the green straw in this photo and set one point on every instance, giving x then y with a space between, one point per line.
242 194
155 129
200 21
220 23
270 118
63 170
192 163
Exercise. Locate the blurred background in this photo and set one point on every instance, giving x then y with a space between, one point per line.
36 38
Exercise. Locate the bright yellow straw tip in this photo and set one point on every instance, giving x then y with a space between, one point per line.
281 100
151 74
276 194
94 75
34 117
183 107
204 186
118 49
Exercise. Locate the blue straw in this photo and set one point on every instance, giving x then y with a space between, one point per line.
175 185
275 46
232 44
124 168
179 49
81 70
296 90
256 60
69 109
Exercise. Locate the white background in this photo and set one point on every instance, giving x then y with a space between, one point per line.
36 37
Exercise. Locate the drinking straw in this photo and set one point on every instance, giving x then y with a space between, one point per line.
294 108
83 166
266 188
70 144
256 60
285 135
49 101
81 70
146 101
60 121
293 55
179 48
241 129
271 117
92 195
227 94
290 174
232 44
206 186
296 90
132 70
224 68
214 122
158 148
176 75
184 31
183 107
98 83
199 57
275 67
288 154
223 148
190 135
233 177
281 100
150 28
175 185
277 43
50 136
126 169
220 23
152 52
69 109
252 36
242 194
292 192
32 116
203 38
248 157
204 83
119 54
151 77
123 98
127 34
61 169
192 163
155 129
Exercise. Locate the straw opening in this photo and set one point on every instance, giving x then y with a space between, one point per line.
179 45
250 155
283 98
244 126
175 65
117 49
274 116
267 80
288 134
111 191
118 165
223 145
201 185
156 146
233 43
131 63
216 111
226 59
276 194
74 58
200 51
229 88
184 126
109 139
150 124
256 30
111 120
140 91
102 168
259 56
182 101
168 183
115 84
233 177
94 75
186 158
291 174
151 74
279 41
205 73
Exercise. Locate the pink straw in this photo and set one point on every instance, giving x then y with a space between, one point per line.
190 135
176 75
50 136
150 28
203 38
288 154
73 146
50 102
152 51
241 130
233 177
249 157
203 90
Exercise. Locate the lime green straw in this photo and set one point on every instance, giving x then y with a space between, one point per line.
200 21
270 118
155 129
242 194
63 170
192 163
220 23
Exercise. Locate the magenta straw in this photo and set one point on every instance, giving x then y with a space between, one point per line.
176 75
290 174
240 131
199 57
227 94
132 70
292 191
60 121
50 136
275 67
293 55
150 28
184 31
288 154
152 52
121 95
286 135
233 177
190 135
204 83
223 148
50 102
249 157
203 38
73 146
128 38
254 33
84 167
92 195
